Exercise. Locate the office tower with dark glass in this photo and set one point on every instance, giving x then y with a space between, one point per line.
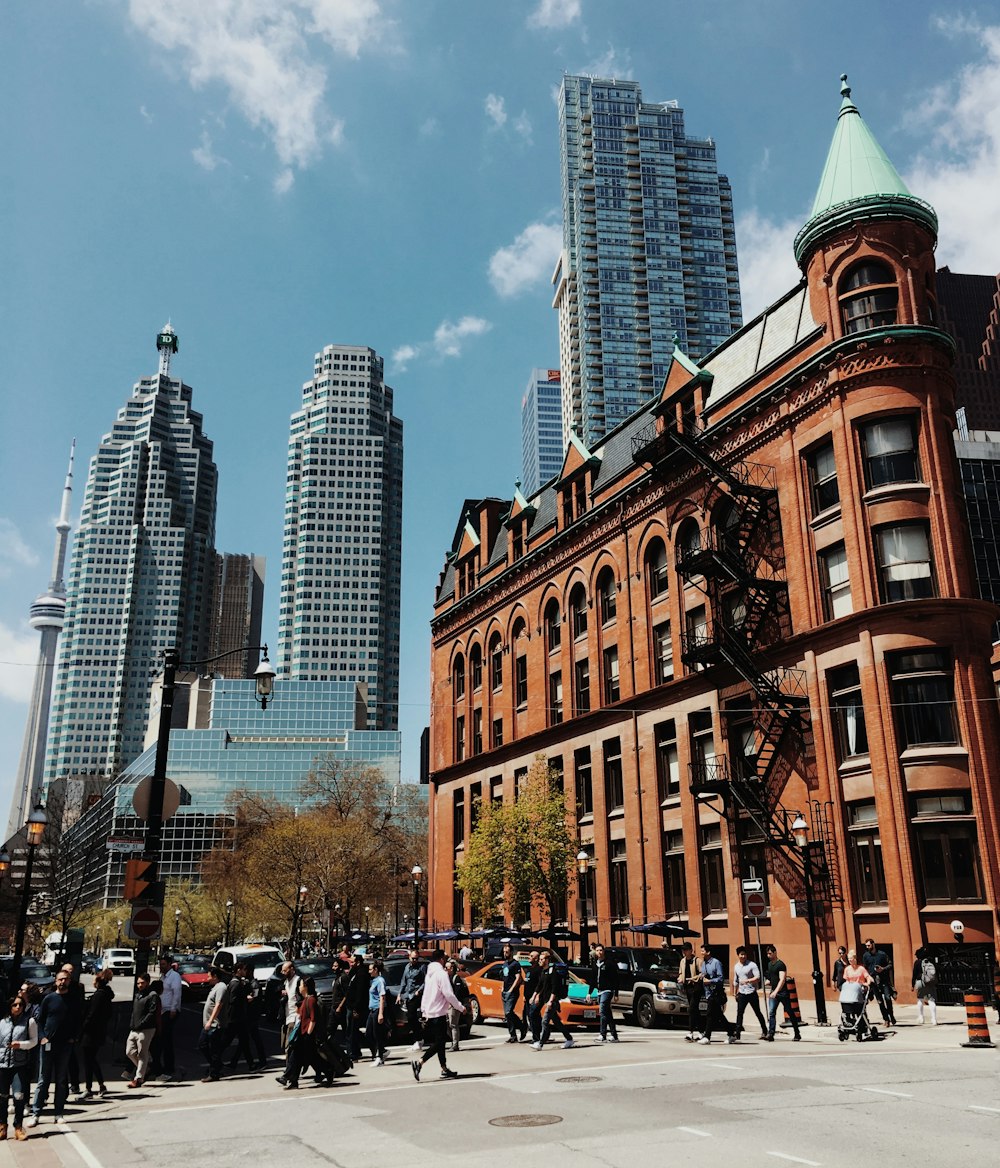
542 448
140 578
339 606
649 250
237 608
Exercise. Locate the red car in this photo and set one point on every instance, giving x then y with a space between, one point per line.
195 976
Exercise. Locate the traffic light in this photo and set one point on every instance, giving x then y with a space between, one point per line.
138 878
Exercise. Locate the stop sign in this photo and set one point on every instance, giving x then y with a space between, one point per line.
756 904
145 923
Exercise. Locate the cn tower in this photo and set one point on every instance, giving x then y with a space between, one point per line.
47 615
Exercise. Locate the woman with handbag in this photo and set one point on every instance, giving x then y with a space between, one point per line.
301 1041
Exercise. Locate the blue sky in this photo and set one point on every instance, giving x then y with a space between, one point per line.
277 175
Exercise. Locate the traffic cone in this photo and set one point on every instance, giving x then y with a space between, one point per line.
975 1016
793 999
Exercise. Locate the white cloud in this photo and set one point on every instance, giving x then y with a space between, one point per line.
271 57
449 337
430 128
14 552
146 116
767 263
522 126
527 261
611 63
555 14
18 651
203 153
448 341
495 111
958 168
284 181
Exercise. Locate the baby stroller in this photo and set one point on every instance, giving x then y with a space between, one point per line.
853 1018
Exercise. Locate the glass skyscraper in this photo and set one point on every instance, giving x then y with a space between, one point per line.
649 250
541 430
141 574
339 607
237 746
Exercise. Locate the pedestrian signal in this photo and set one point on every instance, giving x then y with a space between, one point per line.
138 878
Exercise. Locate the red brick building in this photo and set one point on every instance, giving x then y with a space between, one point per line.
752 600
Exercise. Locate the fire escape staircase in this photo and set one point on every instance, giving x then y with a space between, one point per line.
741 566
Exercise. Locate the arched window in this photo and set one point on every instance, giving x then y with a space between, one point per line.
726 521
496 662
688 539
520 664
657 580
607 592
868 297
578 607
553 626
458 679
476 667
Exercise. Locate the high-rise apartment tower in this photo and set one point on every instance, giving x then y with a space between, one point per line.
541 430
237 608
649 250
339 610
141 574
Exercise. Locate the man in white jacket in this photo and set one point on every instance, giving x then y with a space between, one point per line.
437 999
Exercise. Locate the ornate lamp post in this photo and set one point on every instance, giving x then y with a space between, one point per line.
34 830
416 872
583 861
229 918
118 939
800 830
177 926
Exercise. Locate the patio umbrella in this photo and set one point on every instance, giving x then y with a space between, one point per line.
665 929
498 934
556 933
447 935
405 938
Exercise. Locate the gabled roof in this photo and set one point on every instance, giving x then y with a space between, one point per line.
682 372
519 505
858 182
577 455
469 542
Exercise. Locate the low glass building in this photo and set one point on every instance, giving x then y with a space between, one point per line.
222 742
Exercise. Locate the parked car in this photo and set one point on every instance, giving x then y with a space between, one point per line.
322 969
119 961
195 978
261 960
648 981
485 1002
31 970
91 962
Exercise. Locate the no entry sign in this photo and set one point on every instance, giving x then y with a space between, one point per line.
756 904
146 922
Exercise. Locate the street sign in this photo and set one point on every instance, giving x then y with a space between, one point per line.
145 923
753 884
119 844
756 904
171 798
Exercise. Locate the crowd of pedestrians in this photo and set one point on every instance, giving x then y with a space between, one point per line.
55 1040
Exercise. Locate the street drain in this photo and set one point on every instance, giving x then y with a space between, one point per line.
525 1120
580 1079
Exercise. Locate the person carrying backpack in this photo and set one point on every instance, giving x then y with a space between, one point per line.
924 983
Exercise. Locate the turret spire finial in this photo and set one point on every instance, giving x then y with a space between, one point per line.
845 89
166 345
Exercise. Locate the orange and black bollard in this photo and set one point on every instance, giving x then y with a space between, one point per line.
996 990
975 1015
793 999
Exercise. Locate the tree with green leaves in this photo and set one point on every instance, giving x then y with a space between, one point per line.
521 853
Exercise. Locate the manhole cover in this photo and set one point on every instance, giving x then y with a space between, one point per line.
580 1079
525 1120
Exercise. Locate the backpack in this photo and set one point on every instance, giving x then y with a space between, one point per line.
928 971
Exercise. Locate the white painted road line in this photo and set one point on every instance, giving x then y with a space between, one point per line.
85 1154
882 1091
976 1107
794 1159
726 1066
693 1131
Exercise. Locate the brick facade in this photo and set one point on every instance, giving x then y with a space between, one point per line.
765 578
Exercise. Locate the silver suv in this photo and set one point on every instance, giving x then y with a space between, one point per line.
648 983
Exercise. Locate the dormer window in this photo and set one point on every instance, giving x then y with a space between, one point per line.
868 297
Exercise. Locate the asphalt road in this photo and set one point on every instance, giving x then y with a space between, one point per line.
916 1097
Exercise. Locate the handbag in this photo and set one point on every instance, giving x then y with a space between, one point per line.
293 1034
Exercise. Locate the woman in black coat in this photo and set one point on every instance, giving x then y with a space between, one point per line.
96 1018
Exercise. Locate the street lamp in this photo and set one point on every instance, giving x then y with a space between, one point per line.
583 869
300 902
229 918
800 831
118 939
34 830
177 926
367 911
264 676
416 872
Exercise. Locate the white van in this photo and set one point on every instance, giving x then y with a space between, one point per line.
261 960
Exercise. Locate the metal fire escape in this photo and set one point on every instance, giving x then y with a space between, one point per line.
739 564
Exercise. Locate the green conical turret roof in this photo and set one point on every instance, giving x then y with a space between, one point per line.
859 182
